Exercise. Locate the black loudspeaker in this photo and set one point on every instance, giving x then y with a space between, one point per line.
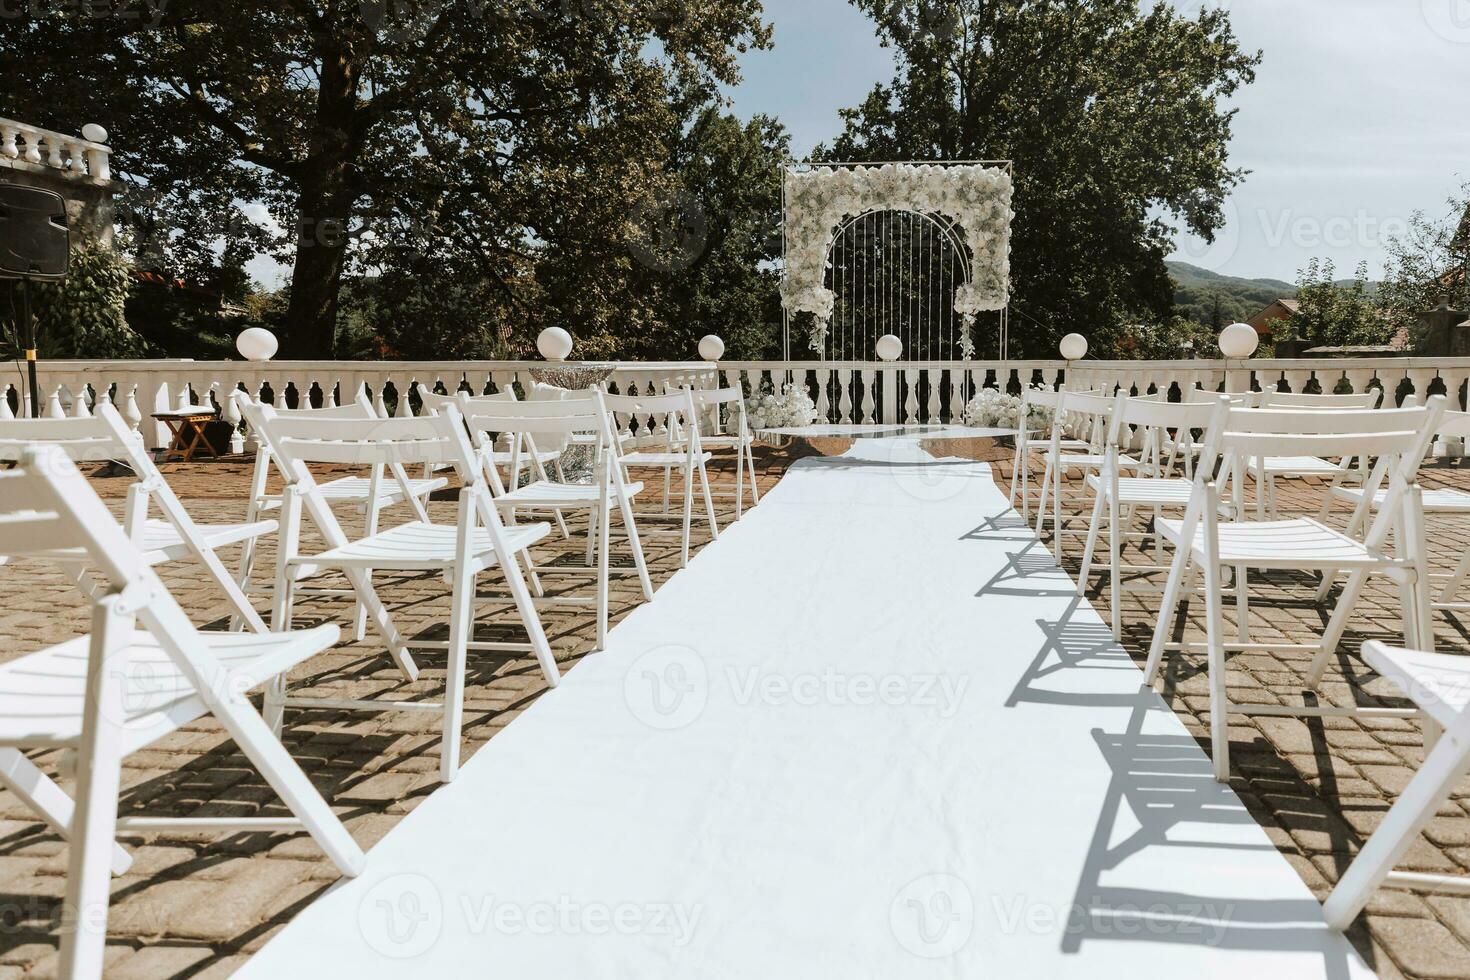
34 241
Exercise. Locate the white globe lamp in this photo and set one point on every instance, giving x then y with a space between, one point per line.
1073 347
94 133
1239 341
554 343
257 344
711 348
888 347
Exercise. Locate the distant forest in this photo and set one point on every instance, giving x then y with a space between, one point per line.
1213 300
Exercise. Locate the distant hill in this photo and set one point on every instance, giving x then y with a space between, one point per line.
1214 299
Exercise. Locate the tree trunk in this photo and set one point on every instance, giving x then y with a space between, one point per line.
324 210
316 278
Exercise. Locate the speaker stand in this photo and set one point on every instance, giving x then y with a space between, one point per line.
30 346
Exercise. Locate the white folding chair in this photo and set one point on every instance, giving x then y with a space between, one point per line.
370 495
1269 469
523 453
569 418
121 688
1443 501
669 440
1089 413
1398 437
1439 685
105 436
734 434
1117 498
1042 402
476 542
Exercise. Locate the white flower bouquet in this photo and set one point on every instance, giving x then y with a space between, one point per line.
992 408
769 410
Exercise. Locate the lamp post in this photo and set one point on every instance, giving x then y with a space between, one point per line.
1238 342
889 348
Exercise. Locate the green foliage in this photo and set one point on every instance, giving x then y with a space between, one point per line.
1431 262
1213 300
1113 114
83 315
386 138
1333 315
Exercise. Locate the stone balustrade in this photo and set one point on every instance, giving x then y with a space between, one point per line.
41 148
844 391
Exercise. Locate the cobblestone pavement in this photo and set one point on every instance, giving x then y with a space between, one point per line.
199 905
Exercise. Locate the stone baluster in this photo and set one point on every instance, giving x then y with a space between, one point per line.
131 411
53 404
911 399
824 406
933 404
8 149
79 404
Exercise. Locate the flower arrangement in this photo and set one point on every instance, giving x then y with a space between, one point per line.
768 410
992 408
976 198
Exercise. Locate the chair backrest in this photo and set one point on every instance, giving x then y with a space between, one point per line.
1151 413
1455 425
1321 403
105 436
46 504
1398 437
295 441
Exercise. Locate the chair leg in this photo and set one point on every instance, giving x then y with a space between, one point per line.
739 482
1457 578
1166 614
640 561
603 557
1115 566
1041 506
1215 667
99 776
688 516
1242 604
1446 764
1092 535
1416 550
709 503
755 490
20 775
461 625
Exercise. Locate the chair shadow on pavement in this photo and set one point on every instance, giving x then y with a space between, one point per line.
1162 794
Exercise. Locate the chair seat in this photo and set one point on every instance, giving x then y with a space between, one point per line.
355 490
42 693
662 459
1303 466
501 457
1442 501
726 440
1300 543
1043 445
1162 492
161 542
1439 683
1093 460
550 494
421 546
1191 447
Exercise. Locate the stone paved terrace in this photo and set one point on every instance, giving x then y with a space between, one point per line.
200 906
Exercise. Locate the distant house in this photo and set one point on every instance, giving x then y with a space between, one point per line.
1265 320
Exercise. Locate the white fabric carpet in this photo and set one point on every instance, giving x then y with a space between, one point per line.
870 732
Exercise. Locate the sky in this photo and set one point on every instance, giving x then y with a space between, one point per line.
1358 117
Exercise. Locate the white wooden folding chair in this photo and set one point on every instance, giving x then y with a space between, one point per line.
380 489
519 455
567 418
1088 413
1117 498
669 440
734 433
1443 501
105 436
476 542
1041 402
121 688
1269 469
1399 438
1439 686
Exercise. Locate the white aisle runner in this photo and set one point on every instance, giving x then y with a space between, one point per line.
870 732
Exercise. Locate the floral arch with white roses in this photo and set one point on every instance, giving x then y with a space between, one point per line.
818 200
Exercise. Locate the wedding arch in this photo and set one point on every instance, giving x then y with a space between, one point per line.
913 249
